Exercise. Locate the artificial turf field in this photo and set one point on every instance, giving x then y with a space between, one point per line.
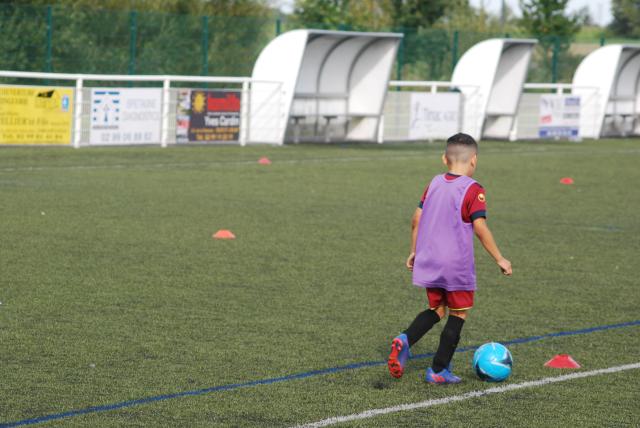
113 290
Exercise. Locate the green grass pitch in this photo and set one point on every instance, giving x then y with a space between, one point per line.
112 288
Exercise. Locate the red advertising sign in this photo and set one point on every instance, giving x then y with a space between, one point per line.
208 116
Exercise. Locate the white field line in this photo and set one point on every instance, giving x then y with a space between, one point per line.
206 164
473 394
159 165
404 156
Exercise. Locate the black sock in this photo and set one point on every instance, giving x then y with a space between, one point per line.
448 342
422 324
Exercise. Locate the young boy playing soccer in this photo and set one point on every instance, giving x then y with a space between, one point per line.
452 209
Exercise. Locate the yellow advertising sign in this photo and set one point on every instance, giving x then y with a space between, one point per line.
35 115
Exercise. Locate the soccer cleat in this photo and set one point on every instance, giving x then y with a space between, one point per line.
399 355
441 378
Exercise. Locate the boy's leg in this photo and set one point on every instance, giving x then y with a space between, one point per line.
423 323
449 339
427 319
418 328
401 344
459 302
440 373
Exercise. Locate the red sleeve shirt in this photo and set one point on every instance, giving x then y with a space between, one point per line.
474 205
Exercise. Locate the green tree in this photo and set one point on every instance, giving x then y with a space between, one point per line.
548 18
626 18
342 14
213 7
162 36
369 14
549 22
321 13
426 48
477 22
23 34
417 13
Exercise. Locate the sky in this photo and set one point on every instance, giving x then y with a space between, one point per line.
600 9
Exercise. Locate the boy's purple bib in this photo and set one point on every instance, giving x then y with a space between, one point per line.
444 247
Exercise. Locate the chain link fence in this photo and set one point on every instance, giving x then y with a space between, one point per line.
61 39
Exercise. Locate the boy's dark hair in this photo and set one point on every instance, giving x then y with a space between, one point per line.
460 147
464 139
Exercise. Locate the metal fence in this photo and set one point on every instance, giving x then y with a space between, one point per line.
75 40
98 114
78 120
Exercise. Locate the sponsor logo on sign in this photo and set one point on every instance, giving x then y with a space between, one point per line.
125 116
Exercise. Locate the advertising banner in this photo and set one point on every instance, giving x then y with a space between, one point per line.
559 116
35 115
207 115
434 116
125 116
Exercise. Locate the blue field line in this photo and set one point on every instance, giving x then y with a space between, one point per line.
303 375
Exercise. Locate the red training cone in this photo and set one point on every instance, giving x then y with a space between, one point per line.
224 234
562 361
264 161
566 180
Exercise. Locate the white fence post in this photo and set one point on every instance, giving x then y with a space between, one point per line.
282 112
381 129
164 126
77 131
244 113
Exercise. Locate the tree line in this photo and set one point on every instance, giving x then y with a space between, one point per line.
220 37
224 37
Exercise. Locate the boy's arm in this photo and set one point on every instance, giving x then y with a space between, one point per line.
486 238
415 220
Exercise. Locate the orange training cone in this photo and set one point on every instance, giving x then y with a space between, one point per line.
264 161
224 234
566 180
562 361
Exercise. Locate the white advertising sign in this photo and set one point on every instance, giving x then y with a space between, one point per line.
434 116
559 116
125 116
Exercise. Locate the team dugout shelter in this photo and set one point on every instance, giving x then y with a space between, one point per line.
611 74
491 76
334 85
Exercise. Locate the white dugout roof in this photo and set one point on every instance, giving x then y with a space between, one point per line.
491 75
334 84
611 74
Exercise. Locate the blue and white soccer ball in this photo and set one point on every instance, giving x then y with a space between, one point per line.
492 362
